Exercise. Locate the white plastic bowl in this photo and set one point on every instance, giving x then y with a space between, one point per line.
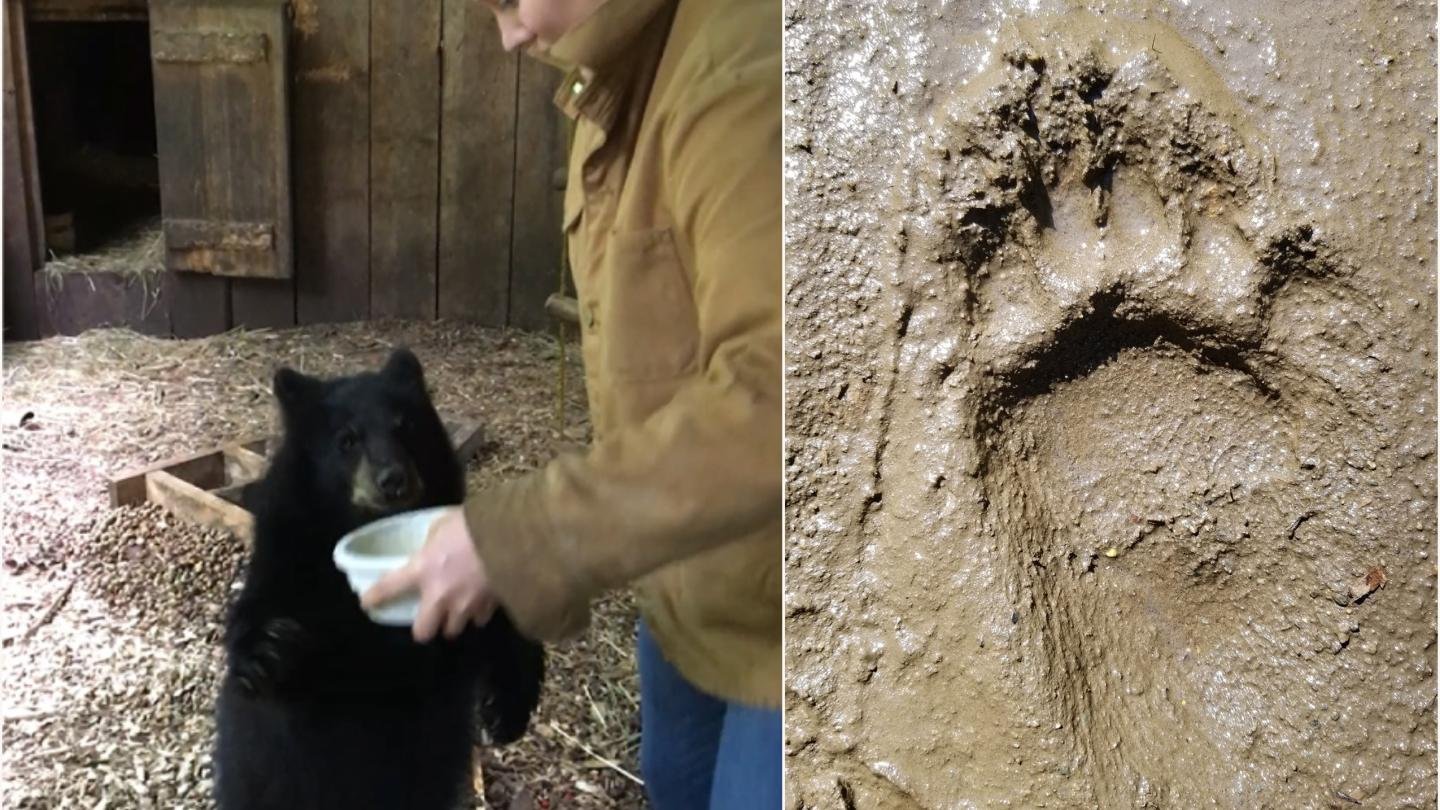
375 549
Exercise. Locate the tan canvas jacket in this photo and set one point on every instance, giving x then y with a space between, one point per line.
672 215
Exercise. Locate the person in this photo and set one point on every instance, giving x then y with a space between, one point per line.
672 216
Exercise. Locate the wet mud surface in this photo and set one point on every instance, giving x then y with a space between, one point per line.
1110 404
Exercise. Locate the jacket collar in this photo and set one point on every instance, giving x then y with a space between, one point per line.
594 58
605 36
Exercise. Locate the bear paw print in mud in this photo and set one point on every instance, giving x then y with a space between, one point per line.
1165 384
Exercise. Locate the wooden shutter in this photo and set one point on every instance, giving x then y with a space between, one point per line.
223 133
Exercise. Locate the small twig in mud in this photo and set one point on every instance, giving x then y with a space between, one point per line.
1343 796
609 763
1299 519
49 614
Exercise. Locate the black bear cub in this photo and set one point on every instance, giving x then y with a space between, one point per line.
320 707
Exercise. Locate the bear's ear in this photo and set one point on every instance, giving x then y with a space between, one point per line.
294 389
403 366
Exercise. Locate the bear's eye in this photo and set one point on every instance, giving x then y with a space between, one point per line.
349 437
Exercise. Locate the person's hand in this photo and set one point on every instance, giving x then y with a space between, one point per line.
454 589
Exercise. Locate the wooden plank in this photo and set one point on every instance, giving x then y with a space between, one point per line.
200 304
467 438
563 308
234 493
541 145
29 150
201 234
228 162
193 504
242 465
266 303
74 302
205 470
477 166
237 249
192 485
128 489
258 303
233 58
404 157
332 183
209 47
20 318
223 133
88 10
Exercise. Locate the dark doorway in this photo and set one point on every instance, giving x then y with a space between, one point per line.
94 103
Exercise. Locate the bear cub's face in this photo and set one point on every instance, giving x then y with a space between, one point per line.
364 434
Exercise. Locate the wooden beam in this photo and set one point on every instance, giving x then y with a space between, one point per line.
467 438
21 317
224 176
199 304
270 302
29 151
404 158
205 470
88 10
563 308
242 465
205 488
193 504
233 493
332 182
71 303
541 147
477 166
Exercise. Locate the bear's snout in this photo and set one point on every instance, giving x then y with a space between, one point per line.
385 487
395 483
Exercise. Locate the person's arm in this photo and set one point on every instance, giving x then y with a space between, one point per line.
706 467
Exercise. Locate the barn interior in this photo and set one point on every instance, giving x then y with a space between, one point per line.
115 363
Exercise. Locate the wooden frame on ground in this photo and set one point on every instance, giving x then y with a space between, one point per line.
204 488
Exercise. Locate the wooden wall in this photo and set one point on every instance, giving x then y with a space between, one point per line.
21 313
423 166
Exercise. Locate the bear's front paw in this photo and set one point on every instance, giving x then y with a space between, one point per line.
270 657
500 723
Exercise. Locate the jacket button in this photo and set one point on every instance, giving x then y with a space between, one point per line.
577 88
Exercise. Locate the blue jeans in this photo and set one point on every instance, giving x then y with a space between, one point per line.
698 751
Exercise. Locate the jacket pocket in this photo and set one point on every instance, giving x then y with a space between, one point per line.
648 327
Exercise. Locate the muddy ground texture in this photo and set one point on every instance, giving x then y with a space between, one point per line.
111 618
1111 404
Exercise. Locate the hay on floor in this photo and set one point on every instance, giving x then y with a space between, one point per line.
137 250
111 618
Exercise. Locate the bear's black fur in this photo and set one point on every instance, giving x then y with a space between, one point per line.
321 707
